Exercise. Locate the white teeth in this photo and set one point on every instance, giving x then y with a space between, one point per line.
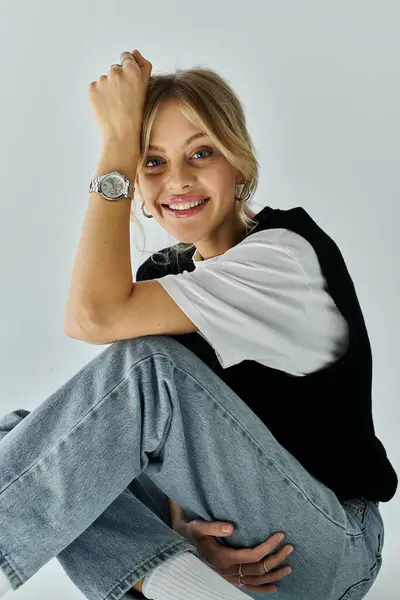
186 206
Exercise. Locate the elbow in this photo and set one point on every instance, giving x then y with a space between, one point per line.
87 334
73 331
78 325
77 330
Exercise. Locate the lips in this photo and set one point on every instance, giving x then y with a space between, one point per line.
183 199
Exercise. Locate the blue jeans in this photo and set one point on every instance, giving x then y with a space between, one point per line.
84 478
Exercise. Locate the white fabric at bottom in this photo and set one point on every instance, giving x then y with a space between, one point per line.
186 576
5 585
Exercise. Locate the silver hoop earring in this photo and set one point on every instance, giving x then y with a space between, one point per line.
244 199
144 213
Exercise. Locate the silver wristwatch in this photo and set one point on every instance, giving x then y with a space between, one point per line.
112 186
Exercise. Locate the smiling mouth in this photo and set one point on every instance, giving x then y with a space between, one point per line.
168 207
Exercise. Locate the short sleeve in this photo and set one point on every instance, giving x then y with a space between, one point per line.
248 304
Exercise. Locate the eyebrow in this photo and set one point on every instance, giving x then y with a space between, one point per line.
188 141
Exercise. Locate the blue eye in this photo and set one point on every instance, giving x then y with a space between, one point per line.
209 152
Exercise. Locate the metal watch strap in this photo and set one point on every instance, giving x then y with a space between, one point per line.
95 186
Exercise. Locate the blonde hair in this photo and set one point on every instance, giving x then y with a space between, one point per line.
211 104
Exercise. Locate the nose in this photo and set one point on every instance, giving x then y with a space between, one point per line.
179 178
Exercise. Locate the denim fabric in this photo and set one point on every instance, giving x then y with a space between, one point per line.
85 478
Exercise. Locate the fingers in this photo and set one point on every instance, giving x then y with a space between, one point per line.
252 555
272 561
139 60
268 546
257 568
267 589
208 528
226 560
262 583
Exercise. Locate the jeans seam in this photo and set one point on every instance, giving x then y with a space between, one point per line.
16 572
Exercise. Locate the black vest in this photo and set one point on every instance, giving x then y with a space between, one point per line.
324 418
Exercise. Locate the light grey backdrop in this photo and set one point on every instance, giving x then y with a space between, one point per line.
320 86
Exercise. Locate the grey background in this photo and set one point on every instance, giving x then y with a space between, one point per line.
320 86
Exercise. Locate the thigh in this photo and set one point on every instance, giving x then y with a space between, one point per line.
219 461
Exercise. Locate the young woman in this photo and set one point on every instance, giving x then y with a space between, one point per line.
237 386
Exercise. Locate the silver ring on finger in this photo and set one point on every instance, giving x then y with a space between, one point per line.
240 575
120 65
265 568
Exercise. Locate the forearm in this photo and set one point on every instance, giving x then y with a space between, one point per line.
102 271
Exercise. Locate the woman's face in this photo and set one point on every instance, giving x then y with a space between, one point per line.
179 169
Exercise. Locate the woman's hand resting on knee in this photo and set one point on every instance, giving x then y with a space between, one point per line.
225 561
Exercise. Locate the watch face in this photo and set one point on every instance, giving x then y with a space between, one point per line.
113 185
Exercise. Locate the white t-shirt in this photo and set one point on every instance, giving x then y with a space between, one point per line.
264 299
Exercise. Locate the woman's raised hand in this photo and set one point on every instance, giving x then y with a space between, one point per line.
117 99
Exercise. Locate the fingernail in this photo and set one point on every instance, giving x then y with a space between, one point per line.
290 549
281 537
